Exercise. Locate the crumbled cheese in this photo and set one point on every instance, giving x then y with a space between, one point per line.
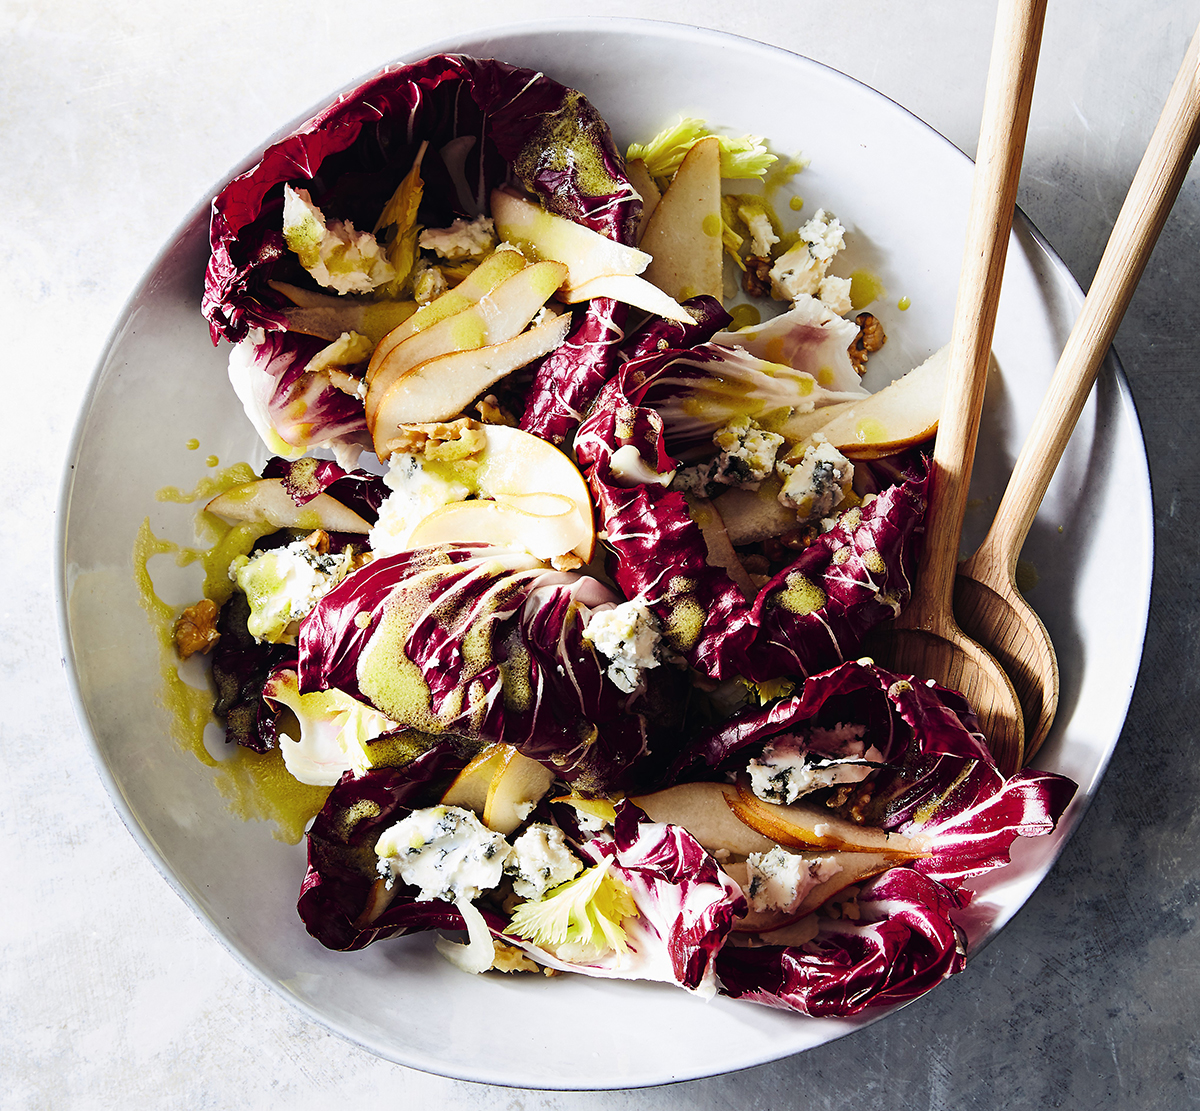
461 240
416 492
284 584
541 860
790 767
801 268
336 255
762 235
779 880
428 282
818 484
835 292
746 455
445 851
349 349
627 635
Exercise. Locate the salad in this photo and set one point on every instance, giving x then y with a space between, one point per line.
558 573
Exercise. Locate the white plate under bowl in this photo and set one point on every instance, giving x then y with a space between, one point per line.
902 191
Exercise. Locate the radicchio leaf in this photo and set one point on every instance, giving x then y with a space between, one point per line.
809 617
305 478
686 905
485 643
902 944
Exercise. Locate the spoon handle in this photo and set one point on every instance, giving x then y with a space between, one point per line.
1150 197
993 196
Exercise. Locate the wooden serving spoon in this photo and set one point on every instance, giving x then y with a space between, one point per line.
987 602
924 640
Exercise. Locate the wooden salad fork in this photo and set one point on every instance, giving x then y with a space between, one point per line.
924 640
987 602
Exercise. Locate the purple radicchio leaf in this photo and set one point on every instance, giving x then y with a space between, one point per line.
307 477
809 617
240 667
485 643
902 944
293 409
343 901
485 122
686 905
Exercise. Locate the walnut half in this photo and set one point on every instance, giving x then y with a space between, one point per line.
196 628
870 338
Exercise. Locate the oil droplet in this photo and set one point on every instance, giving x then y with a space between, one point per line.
865 287
796 203
192 444
212 461
711 225
904 304
744 316
870 431
1026 576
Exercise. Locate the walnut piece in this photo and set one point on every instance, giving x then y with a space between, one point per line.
870 338
196 629
756 278
445 442
492 412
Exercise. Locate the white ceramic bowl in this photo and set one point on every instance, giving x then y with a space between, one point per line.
902 191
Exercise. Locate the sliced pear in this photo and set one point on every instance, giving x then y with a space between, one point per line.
798 428
496 317
640 179
494 269
631 290
684 234
754 515
805 826
371 320
515 789
720 546
897 417
470 787
495 522
587 254
705 811
516 463
267 500
442 388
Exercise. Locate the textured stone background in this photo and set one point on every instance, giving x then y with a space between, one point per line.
114 121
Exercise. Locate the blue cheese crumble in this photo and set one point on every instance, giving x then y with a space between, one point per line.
818 483
791 767
416 492
461 240
333 252
779 880
540 861
628 636
802 267
283 584
444 851
746 456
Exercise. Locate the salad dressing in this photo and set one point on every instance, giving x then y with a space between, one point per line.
865 287
256 785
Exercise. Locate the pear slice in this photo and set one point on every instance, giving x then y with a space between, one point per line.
640 179
442 388
587 254
684 234
544 535
496 317
705 811
470 787
754 515
515 789
897 417
805 826
494 269
267 500
630 289
516 463
719 544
